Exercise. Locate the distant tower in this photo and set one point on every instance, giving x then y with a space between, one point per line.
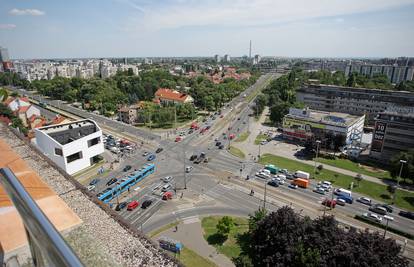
250 49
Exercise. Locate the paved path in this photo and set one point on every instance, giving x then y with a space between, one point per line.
190 233
286 150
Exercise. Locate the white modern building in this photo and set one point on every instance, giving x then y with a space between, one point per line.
72 146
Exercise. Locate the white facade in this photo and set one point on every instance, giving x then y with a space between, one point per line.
72 146
32 111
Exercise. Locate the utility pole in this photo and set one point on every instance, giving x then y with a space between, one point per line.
264 196
386 228
317 151
185 172
175 116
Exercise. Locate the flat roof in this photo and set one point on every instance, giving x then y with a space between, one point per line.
71 131
325 117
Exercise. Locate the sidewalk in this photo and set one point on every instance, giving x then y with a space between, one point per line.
190 233
286 150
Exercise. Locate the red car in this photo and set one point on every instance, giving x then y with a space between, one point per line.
231 136
167 195
178 139
329 203
132 205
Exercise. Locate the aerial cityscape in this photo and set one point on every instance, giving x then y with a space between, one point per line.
219 133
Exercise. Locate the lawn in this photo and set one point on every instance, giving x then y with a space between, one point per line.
189 258
230 247
355 167
162 229
376 191
242 137
260 138
237 152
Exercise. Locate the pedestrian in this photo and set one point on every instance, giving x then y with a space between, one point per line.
176 228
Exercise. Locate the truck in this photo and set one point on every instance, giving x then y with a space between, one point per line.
304 183
302 174
272 168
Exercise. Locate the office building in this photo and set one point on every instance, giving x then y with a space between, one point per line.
72 146
217 58
227 58
355 101
306 125
5 59
256 59
393 133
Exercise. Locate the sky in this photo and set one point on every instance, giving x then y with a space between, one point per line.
160 28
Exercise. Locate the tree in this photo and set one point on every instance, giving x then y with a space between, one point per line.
256 217
260 104
278 111
224 226
408 167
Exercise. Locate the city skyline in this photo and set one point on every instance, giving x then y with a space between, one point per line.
125 28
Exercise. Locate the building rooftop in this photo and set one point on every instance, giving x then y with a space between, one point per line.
360 89
69 132
170 94
331 118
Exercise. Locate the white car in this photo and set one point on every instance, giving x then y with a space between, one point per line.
340 201
188 169
388 217
373 217
365 200
263 142
262 175
167 179
91 187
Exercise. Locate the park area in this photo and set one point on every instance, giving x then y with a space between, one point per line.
404 199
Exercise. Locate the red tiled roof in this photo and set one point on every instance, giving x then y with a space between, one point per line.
23 109
169 94
32 118
58 119
25 99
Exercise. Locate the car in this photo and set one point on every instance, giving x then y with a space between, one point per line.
111 181
166 187
293 186
167 179
145 154
120 206
193 157
190 131
372 217
319 190
389 208
91 187
159 150
263 175
378 209
264 142
218 143
388 218
407 214
290 176
221 146
146 203
132 205
178 139
205 160
151 157
273 183
127 168
238 118
325 187
188 169
284 171
94 182
329 203
340 201
365 200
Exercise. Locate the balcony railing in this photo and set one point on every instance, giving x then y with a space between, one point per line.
47 246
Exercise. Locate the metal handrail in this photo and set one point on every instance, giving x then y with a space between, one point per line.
46 244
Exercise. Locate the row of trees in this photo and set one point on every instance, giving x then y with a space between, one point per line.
284 238
408 167
124 87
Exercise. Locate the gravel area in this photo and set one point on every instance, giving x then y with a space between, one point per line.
114 240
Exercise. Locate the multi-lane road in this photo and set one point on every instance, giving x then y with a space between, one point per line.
232 198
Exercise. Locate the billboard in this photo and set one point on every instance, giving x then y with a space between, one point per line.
378 137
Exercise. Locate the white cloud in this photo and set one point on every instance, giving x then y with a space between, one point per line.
339 20
7 26
23 12
239 13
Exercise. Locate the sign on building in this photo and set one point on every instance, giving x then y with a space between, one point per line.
378 138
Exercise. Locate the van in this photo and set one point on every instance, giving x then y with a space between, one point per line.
378 209
343 192
166 187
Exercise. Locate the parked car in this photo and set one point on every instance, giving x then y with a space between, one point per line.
178 139
132 205
378 209
120 206
91 187
193 157
218 143
365 200
146 203
166 187
264 142
407 214
111 181
159 150
167 179
94 182
373 217
145 154
188 169
127 168
221 146
151 157
273 183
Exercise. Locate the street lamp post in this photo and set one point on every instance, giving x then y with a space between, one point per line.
185 171
401 168
264 196
317 152
386 227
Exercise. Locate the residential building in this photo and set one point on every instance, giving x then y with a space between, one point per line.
306 125
5 59
72 146
128 114
166 96
227 58
355 101
217 58
256 59
393 133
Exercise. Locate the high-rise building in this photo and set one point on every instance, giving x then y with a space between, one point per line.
217 58
227 58
5 59
256 59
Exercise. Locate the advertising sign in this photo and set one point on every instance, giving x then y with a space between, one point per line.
302 125
378 138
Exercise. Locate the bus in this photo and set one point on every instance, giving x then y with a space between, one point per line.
131 180
272 168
